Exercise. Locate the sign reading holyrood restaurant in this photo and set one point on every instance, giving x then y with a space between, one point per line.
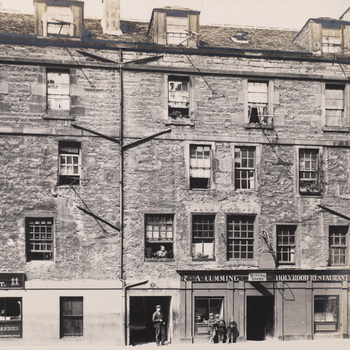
269 276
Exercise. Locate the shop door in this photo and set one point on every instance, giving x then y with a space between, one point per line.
260 317
141 311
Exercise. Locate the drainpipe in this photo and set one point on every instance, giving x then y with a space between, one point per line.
124 301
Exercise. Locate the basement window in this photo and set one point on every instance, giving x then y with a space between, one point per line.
159 232
179 101
258 102
69 163
200 166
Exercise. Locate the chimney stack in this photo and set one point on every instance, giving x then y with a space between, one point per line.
111 17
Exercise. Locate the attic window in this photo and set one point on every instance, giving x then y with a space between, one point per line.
59 21
239 36
177 30
331 40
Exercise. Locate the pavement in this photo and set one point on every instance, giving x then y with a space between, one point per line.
272 344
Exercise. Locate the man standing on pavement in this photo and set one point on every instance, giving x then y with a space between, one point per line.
159 325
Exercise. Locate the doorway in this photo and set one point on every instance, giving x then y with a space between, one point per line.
260 317
141 326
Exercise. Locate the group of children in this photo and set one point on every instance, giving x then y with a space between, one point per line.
217 327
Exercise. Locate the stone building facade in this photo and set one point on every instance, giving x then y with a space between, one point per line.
202 168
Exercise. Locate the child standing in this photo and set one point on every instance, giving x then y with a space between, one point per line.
212 327
231 330
221 330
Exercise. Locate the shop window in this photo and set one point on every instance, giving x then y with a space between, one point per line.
326 313
39 232
159 231
258 102
71 316
179 100
309 172
334 106
200 166
240 237
203 307
338 245
245 168
331 40
10 317
58 97
177 30
203 236
286 244
69 163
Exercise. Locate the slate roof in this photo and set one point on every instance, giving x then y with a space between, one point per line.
136 32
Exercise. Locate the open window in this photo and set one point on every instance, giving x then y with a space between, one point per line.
179 100
159 232
58 97
258 111
203 236
69 163
309 172
200 166
39 238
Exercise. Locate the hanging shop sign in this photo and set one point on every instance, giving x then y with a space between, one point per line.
11 280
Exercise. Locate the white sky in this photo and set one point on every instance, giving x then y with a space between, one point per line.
262 13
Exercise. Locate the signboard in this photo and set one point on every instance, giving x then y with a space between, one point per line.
10 329
257 277
11 280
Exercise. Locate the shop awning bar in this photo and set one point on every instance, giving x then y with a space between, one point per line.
334 212
145 139
95 133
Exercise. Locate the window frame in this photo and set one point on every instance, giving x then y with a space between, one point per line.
317 188
183 34
344 124
64 317
333 326
186 110
63 178
326 34
231 240
288 227
203 240
150 256
248 169
54 111
15 324
203 327
333 247
48 253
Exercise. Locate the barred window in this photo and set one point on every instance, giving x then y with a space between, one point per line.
69 163
39 238
71 316
200 166
338 245
286 243
240 237
203 236
244 167
159 231
58 98
309 171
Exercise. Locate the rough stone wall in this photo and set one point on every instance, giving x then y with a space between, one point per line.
304 38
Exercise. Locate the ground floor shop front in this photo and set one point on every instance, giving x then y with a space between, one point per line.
279 304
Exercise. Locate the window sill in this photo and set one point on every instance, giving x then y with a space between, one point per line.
58 115
310 194
258 126
179 123
203 259
336 129
159 259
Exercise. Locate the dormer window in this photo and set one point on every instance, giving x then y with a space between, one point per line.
58 18
331 40
174 26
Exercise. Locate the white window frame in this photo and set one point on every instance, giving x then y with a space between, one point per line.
177 30
71 167
286 248
316 188
203 242
331 40
58 91
338 246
